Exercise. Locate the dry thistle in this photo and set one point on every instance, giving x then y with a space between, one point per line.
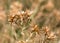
22 18
35 29
49 35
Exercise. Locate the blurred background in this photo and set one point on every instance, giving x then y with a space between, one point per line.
29 21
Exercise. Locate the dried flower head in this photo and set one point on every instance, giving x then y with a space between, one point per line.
35 28
51 35
23 18
46 29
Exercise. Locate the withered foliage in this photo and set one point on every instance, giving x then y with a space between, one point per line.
29 21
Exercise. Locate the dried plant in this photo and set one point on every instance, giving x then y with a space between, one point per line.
29 21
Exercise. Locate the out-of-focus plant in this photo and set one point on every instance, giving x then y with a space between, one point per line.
25 20
30 21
